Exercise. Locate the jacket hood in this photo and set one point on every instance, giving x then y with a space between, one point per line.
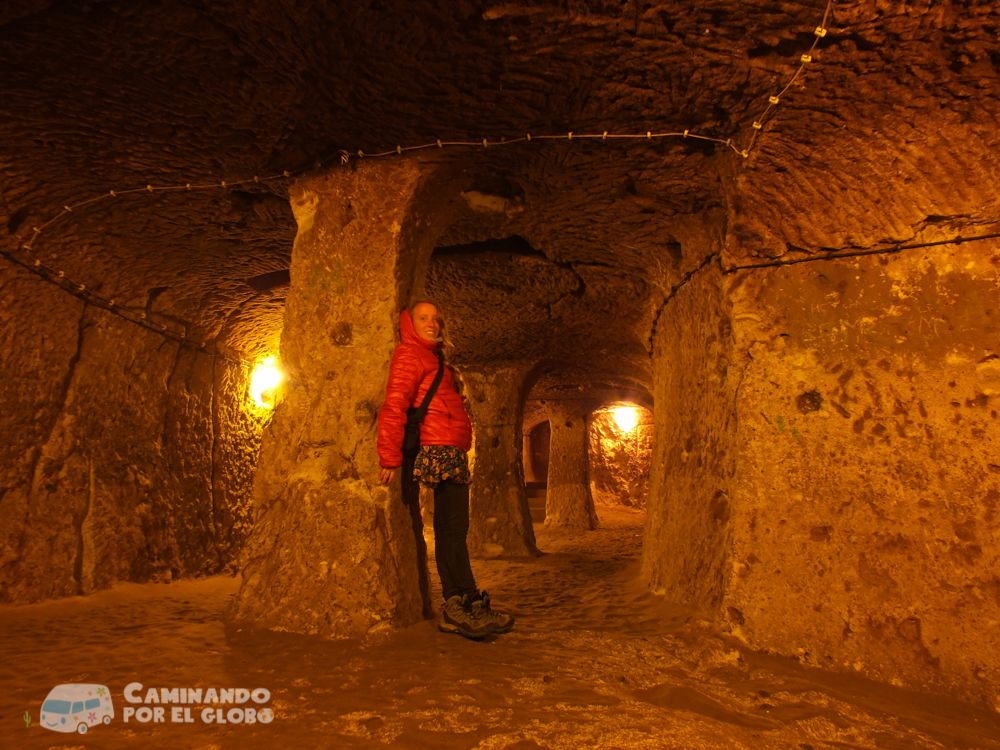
408 334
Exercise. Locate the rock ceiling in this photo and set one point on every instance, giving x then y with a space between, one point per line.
563 251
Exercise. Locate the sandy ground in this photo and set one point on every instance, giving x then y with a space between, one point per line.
595 661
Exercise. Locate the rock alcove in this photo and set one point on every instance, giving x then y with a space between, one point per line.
804 300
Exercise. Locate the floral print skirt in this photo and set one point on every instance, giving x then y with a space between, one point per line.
441 463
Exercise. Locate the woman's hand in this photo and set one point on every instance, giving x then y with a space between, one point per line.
385 476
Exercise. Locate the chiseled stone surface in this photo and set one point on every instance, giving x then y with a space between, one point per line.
332 552
688 532
500 522
568 500
833 492
619 459
122 457
865 516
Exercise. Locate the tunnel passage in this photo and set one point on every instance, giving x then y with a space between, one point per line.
826 483
618 455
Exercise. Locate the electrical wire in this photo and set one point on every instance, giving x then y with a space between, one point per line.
59 278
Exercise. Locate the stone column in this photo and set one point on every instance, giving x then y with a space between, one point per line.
500 522
568 501
332 552
529 475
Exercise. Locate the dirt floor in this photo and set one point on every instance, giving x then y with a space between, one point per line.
594 661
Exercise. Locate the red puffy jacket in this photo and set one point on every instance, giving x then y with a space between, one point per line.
414 365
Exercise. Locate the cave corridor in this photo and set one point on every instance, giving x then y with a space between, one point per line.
721 285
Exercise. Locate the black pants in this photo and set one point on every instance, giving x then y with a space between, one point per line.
451 527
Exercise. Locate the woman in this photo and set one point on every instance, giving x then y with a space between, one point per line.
442 463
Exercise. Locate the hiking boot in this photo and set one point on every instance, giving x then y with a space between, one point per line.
493 622
456 618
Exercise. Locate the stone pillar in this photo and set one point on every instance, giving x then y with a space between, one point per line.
568 501
529 475
500 522
688 532
332 552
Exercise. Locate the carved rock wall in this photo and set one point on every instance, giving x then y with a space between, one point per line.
619 459
122 455
825 473
688 534
865 516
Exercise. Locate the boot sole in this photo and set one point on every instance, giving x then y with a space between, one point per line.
450 627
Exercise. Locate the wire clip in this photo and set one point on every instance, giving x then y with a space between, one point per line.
806 58
820 32
773 99
757 126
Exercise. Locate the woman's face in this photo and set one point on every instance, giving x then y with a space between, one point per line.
426 322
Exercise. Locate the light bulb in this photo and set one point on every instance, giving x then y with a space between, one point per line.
266 376
626 417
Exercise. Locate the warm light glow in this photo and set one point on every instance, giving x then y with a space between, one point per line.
266 376
626 417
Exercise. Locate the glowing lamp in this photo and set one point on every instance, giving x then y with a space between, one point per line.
626 417
266 376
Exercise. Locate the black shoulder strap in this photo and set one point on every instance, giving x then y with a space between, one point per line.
421 412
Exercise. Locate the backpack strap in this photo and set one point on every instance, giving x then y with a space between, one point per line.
421 412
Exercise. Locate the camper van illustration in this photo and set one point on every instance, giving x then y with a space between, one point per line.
77 708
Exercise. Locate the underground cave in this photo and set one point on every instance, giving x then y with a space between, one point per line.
719 284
